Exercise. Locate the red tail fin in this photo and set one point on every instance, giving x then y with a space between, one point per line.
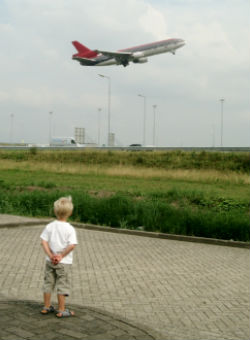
83 51
80 48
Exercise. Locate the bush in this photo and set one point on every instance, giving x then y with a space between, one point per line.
121 210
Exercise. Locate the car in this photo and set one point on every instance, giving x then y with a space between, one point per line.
136 145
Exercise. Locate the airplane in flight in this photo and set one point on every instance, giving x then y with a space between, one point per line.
137 54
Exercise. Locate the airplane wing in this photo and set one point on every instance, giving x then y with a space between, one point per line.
120 57
85 61
115 54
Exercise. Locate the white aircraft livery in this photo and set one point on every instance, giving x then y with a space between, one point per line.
137 54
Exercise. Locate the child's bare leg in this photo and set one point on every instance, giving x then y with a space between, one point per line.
46 298
61 302
61 307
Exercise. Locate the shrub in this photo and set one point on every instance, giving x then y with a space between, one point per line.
121 210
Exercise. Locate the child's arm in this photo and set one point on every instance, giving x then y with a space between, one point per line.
65 252
47 249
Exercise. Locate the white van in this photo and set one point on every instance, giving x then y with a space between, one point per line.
63 141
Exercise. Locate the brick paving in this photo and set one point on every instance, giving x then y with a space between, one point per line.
22 320
167 289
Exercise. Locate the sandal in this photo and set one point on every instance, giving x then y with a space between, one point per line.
64 313
46 310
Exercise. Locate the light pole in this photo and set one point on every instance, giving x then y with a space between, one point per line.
154 108
109 100
213 136
221 131
144 119
50 121
99 125
11 127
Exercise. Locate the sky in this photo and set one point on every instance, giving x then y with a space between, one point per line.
42 88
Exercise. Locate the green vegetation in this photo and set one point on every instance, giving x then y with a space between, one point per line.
202 194
231 161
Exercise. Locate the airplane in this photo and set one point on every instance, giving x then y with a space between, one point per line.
137 54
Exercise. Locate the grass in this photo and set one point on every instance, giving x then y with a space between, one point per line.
201 175
204 202
120 210
231 161
139 181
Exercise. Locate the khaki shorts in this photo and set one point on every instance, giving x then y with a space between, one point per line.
57 276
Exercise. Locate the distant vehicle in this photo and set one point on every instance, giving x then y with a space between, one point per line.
64 141
137 54
136 145
37 145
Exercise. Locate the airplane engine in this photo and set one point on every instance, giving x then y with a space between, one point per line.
140 61
138 55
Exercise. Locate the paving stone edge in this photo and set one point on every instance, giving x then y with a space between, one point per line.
229 243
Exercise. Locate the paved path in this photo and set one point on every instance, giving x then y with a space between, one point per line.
22 320
181 290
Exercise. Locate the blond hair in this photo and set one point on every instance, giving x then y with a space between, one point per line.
63 207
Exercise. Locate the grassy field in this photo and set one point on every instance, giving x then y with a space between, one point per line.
134 189
234 161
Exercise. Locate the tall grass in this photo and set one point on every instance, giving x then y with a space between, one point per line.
202 193
121 210
189 175
233 161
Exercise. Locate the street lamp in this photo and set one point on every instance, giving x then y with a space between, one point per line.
154 108
11 127
99 123
221 131
109 99
213 136
50 120
144 119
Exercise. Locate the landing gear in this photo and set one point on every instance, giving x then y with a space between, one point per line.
125 63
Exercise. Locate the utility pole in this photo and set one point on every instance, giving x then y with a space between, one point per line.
109 103
221 131
11 127
144 119
154 108
50 126
99 126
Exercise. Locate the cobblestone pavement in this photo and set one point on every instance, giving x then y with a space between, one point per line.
22 320
181 290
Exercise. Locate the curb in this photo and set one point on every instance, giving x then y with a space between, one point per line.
196 239
228 243
24 224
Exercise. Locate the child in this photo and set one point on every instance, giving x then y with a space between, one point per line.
58 241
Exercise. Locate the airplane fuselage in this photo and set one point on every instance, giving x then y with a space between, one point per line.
137 54
148 50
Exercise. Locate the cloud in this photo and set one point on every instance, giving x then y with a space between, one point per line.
153 22
40 76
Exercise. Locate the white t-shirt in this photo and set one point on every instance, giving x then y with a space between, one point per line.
59 236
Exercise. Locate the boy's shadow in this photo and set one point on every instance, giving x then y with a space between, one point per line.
23 320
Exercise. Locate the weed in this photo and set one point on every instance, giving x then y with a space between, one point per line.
123 224
4 185
33 151
46 185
